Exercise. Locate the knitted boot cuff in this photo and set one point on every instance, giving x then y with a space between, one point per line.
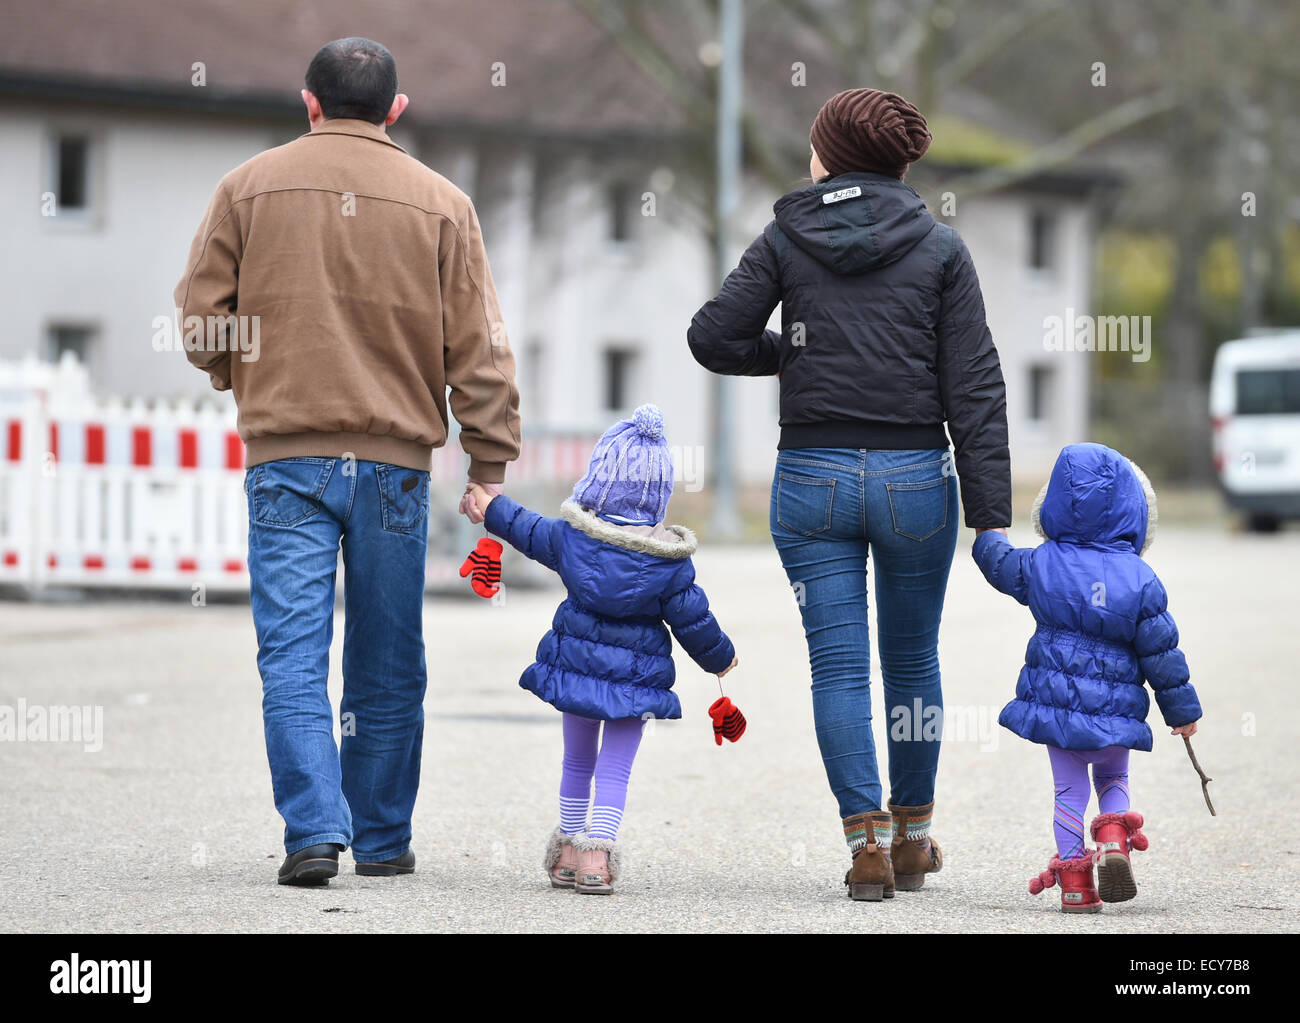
585 843
1130 819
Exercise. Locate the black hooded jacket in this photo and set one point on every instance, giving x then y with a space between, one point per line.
883 335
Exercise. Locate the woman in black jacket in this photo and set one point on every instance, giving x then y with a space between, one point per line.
883 340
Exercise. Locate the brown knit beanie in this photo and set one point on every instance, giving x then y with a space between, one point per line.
869 130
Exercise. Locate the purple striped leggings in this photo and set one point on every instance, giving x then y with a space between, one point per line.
608 757
1070 776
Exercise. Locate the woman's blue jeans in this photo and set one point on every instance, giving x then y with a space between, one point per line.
300 510
830 507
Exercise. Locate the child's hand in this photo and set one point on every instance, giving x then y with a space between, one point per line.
1187 730
734 662
480 497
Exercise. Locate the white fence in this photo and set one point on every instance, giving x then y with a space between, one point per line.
99 492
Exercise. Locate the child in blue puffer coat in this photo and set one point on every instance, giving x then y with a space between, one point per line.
1103 627
608 656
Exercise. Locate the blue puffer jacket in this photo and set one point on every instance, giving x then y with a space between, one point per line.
1103 626
608 654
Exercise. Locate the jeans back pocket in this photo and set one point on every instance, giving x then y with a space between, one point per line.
403 497
287 491
803 503
919 510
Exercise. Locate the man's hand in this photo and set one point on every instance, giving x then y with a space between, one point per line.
477 496
734 662
1187 730
991 529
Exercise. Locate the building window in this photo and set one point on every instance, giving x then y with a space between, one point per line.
620 212
619 365
1040 393
63 338
72 173
1042 241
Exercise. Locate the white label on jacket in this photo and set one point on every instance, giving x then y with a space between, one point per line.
842 194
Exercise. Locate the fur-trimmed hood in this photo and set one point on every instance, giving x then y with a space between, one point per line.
662 541
1096 497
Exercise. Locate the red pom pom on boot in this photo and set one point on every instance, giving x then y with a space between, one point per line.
728 722
1078 894
483 566
1117 834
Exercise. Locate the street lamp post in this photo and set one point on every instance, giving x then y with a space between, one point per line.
726 521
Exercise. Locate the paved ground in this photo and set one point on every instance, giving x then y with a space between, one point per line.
170 827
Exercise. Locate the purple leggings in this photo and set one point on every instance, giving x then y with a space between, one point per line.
1070 776
611 764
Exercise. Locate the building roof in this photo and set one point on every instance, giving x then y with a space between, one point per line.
563 74
565 77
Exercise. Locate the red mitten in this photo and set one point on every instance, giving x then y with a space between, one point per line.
483 566
728 722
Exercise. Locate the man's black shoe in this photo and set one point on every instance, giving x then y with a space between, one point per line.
404 864
314 865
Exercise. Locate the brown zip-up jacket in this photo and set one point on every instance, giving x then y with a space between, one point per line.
367 278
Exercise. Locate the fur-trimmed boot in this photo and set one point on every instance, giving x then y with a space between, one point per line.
1078 893
1116 834
561 863
913 851
871 877
599 865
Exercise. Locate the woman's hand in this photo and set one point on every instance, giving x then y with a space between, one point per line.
1187 730
734 662
981 530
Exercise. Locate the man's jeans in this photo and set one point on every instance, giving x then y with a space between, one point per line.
299 510
829 506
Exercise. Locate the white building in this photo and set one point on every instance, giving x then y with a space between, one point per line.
597 296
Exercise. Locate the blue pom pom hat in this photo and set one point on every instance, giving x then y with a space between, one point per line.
630 478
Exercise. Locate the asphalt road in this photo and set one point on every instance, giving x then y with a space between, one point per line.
170 825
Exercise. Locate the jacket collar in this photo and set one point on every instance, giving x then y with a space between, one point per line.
845 180
598 529
350 126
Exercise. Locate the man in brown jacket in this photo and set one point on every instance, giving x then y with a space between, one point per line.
360 279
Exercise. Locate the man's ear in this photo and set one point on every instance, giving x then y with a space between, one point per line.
314 113
399 104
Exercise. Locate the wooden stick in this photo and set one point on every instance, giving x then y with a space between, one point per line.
1205 780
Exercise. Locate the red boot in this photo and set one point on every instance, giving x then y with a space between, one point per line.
1116 834
1078 895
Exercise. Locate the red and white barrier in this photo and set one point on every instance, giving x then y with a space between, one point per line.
97 492
101 493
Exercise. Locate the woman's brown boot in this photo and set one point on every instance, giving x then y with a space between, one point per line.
914 852
871 878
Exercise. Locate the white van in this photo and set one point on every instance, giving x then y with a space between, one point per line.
1255 415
